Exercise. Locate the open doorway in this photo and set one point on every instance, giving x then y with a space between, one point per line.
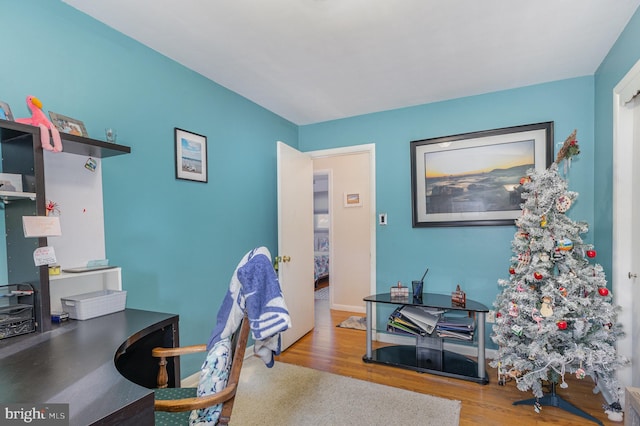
347 242
321 239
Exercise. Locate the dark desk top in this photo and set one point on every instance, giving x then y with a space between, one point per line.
430 300
74 363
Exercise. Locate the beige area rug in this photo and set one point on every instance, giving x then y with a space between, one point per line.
291 395
355 322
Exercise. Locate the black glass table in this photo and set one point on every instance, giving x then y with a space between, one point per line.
428 355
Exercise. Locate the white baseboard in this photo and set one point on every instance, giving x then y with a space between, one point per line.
192 380
349 308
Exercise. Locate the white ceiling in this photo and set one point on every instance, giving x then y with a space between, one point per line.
316 60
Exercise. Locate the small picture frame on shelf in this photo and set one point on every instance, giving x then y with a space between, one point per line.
399 292
10 182
5 111
458 297
68 125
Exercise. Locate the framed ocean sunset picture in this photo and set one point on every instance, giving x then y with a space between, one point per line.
475 178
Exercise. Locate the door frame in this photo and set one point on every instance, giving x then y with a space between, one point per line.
622 220
369 149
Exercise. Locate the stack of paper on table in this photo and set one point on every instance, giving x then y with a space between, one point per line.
412 320
421 317
456 327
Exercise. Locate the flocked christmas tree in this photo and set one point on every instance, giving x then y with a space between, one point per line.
555 314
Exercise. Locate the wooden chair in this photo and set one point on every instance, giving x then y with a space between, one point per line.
174 405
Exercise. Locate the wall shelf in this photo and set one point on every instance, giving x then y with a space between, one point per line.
12 195
11 131
91 147
68 275
22 154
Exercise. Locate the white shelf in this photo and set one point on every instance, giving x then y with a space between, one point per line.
69 275
12 195
70 284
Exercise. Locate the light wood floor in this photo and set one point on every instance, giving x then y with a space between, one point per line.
338 350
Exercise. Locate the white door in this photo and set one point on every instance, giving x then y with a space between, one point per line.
626 222
635 238
295 239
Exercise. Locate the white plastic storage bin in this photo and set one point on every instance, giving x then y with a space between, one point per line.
94 304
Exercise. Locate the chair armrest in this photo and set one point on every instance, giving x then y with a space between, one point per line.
164 353
188 404
184 350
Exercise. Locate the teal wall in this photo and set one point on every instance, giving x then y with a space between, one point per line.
620 59
177 241
474 257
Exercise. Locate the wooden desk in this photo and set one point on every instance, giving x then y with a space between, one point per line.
84 364
430 359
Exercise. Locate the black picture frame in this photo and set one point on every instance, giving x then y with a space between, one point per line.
473 179
191 156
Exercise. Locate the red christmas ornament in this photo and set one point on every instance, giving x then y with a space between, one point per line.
591 253
537 275
603 291
562 325
512 270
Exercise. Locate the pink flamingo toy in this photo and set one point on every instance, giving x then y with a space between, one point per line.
38 119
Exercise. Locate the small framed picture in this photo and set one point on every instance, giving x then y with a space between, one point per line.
191 156
10 182
68 125
5 111
352 199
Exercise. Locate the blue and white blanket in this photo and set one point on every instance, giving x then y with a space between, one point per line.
254 287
